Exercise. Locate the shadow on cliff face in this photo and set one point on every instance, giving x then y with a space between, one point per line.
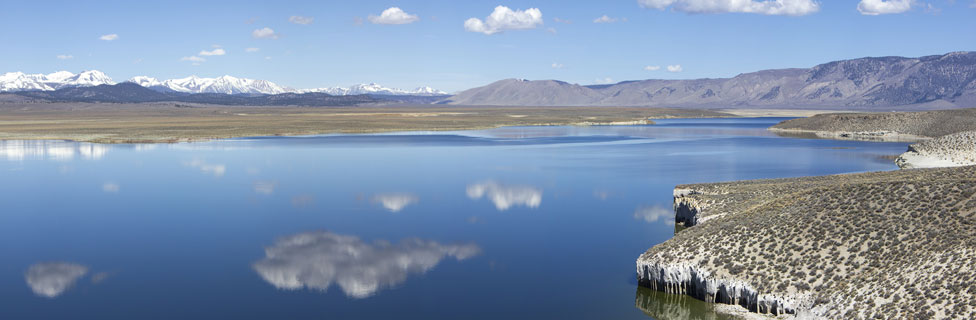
665 306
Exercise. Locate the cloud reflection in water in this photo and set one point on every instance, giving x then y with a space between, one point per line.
315 260
394 202
651 214
217 170
51 279
506 196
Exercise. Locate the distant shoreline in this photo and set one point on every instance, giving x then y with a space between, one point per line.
171 122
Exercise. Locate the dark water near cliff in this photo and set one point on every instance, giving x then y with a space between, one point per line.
541 222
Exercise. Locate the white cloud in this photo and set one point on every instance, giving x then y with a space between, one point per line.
301 20
252 49
110 187
504 196
562 20
604 19
675 68
556 65
767 7
552 30
264 33
316 260
653 214
53 278
503 18
193 59
65 56
109 37
876 7
652 68
606 80
214 52
394 202
393 15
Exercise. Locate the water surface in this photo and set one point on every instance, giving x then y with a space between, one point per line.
521 222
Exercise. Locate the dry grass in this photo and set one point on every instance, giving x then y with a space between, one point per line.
169 122
888 245
922 124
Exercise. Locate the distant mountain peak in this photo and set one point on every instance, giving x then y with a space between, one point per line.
227 84
19 81
377 89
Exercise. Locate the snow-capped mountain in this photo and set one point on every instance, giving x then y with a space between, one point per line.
223 84
19 81
373 88
145 81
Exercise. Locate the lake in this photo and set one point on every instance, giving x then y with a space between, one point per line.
517 222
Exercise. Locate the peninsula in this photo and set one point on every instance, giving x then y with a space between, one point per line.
898 244
884 245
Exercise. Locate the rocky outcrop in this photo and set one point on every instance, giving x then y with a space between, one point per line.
691 280
899 244
686 209
952 150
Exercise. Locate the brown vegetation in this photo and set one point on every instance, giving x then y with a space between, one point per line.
170 122
887 245
929 124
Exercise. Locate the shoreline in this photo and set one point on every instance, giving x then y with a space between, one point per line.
872 136
167 123
171 140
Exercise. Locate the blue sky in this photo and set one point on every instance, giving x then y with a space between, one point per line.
341 46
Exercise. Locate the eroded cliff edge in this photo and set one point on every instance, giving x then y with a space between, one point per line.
889 244
957 149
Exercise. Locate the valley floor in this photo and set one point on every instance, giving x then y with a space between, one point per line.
176 122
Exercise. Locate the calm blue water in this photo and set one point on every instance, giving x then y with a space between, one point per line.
538 222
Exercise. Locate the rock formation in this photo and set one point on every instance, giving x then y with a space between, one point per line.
888 245
958 149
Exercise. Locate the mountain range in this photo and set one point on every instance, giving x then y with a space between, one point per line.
870 84
937 81
19 81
